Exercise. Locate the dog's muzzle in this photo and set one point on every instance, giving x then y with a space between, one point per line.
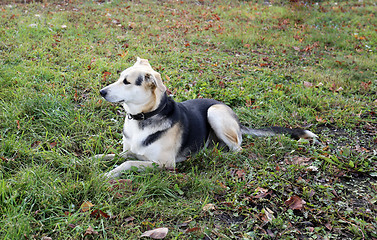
103 93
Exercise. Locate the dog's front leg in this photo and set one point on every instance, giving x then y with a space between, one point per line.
127 166
124 154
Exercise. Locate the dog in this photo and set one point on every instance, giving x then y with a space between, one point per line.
159 131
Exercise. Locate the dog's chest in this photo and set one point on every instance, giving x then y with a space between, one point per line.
141 139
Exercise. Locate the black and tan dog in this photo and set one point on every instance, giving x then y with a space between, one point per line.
158 130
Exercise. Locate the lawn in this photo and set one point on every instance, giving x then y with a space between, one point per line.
309 64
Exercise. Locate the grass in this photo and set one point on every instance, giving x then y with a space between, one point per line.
304 64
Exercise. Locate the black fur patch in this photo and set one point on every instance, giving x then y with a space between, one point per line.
296 133
139 80
153 137
125 81
146 123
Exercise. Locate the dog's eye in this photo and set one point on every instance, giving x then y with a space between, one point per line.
126 82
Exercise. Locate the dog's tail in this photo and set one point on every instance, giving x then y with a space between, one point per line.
295 133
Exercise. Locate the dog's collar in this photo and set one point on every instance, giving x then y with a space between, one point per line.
142 116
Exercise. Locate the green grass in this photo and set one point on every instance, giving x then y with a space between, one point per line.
310 65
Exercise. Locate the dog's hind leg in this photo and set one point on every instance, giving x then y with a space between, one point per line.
225 124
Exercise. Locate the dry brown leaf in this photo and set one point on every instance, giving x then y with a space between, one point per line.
268 215
328 226
320 119
241 173
90 231
308 84
131 25
261 193
319 85
97 213
300 160
194 229
312 169
158 233
295 203
129 219
208 207
339 89
85 206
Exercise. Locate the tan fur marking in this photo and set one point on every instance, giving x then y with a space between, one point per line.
225 124
151 105
231 134
171 143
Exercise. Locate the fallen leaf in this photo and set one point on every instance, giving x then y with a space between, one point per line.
308 84
311 193
35 144
339 89
105 75
268 214
129 219
46 238
270 233
90 231
319 85
300 160
222 185
312 169
208 207
194 229
365 85
71 225
167 78
5 159
295 203
241 173
85 206
131 25
320 119
97 213
328 226
261 193
158 233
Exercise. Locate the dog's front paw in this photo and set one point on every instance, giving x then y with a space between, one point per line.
103 156
111 174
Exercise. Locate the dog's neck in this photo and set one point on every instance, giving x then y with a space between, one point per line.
142 115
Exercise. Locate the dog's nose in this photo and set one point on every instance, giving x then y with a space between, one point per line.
103 93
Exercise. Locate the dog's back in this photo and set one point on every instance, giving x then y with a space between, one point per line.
194 120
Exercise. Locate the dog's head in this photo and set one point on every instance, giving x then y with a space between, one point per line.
139 87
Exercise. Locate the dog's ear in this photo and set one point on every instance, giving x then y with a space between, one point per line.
160 84
155 80
140 61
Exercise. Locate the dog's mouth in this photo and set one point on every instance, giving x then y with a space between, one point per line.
121 101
